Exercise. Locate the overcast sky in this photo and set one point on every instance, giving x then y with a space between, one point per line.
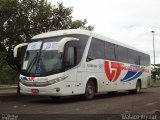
128 21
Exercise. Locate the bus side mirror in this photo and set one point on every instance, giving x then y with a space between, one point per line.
62 43
15 51
89 58
70 57
15 60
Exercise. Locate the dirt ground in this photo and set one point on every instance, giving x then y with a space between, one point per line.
147 102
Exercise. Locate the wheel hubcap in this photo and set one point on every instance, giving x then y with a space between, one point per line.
90 90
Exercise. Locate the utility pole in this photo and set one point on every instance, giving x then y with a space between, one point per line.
153 48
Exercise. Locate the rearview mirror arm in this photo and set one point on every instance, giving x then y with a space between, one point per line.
64 41
16 49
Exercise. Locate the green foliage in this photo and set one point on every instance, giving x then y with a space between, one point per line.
22 19
155 73
7 75
158 71
81 24
2 59
155 84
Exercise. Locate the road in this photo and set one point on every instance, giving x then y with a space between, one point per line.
147 102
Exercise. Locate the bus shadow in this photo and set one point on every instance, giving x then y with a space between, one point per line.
17 97
73 99
118 94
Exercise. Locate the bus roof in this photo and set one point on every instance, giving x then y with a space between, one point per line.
83 32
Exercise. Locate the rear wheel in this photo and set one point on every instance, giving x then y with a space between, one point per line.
138 88
90 90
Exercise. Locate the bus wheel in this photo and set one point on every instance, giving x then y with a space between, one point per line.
138 88
90 90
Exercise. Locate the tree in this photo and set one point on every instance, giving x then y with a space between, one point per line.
22 19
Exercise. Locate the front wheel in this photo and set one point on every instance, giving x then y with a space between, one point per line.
90 90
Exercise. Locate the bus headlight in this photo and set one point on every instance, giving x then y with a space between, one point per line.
57 80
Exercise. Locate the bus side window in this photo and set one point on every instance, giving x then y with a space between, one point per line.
122 54
131 56
145 60
96 50
110 51
70 57
137 61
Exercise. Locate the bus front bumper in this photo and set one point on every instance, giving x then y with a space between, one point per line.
57 89
50 90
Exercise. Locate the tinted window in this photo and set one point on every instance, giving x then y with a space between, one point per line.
131 56
138 60
121 54
145 59
70 57
96 50
110 51
81 45
104 50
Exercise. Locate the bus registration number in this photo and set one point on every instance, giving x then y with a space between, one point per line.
35 91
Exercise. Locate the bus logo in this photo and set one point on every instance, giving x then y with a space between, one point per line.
112 70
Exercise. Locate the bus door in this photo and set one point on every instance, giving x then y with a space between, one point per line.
70 59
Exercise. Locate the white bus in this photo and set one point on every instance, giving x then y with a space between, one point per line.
75 62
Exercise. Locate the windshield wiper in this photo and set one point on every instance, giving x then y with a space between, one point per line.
32 63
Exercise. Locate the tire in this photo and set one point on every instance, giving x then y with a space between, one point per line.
138 88
90 90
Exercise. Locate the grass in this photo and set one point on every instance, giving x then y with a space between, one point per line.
7 86
155 84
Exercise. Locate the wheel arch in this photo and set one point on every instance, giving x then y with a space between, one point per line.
139 80
94 80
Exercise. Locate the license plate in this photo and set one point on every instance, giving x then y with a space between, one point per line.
35 91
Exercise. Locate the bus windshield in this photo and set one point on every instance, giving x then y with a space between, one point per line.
42 57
